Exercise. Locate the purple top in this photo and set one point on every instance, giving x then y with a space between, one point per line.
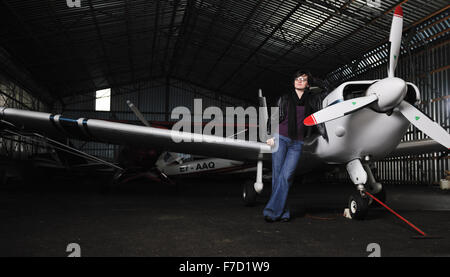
300 117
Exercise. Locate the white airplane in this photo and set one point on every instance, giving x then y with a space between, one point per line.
182 165
364 120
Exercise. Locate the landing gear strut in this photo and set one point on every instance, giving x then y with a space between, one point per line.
363 179
375 188
251 189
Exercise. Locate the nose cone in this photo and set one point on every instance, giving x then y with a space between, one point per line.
397 87
390 92
400 86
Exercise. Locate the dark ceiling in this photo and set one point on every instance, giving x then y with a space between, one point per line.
231 46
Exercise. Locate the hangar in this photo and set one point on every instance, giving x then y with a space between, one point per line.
75 75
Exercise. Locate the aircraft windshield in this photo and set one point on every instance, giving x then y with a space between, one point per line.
171 157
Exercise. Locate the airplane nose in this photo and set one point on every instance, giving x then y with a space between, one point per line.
390 93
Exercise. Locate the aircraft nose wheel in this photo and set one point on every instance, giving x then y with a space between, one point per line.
249 194
358 206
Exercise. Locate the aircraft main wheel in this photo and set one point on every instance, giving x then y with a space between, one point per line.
249 193
358 206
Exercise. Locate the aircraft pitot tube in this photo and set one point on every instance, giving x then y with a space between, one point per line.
386 95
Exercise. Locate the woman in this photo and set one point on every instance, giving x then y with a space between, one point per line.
294 107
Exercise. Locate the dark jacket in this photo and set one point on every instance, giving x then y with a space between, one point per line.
314 98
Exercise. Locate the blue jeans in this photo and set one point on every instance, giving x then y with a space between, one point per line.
284 163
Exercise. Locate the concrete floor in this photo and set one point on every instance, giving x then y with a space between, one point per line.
207 218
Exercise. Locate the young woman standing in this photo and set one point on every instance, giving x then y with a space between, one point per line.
294 107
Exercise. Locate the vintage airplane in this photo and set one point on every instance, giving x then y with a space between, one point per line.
364 121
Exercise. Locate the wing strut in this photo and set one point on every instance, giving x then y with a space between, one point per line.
63 147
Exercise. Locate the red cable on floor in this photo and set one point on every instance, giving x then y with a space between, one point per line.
399 216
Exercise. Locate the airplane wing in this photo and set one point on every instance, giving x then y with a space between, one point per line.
128 134
417 147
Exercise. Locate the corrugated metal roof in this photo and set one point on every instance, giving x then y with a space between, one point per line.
419 36
233 47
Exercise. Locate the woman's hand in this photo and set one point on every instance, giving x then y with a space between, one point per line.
271 142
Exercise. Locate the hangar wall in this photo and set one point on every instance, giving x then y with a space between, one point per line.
155 99
16 86
14 96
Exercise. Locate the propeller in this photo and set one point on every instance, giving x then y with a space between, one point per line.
424 123
387 93
352 105
339 110
395 39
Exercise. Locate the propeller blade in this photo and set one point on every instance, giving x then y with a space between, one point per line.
395 39
339 110
424 124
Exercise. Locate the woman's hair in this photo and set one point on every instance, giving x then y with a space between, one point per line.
299 73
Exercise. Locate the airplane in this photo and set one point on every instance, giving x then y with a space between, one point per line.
364 120
132 162
173 165
367 120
